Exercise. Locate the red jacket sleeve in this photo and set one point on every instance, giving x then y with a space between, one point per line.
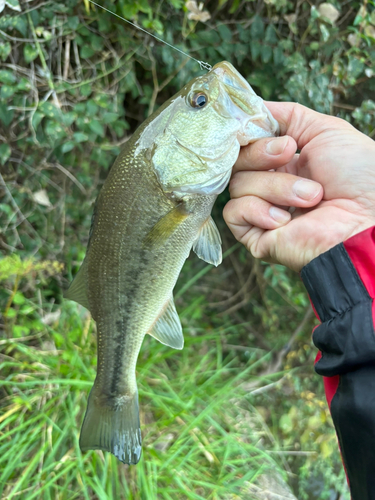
341 286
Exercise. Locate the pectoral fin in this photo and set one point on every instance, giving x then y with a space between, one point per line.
77 290
168 329
208 244
166 226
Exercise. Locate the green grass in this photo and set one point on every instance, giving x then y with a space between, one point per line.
195 445
214 426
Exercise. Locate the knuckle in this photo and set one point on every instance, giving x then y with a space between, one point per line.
269 182
229 211
254 249
233 183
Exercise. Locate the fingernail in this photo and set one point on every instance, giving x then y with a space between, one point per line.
307 190
277 146
279 215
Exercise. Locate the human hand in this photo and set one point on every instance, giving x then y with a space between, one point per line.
331 183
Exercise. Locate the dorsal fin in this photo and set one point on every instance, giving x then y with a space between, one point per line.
168 329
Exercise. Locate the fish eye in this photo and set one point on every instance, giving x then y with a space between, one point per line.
198 100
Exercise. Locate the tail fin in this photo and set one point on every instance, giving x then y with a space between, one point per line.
114 428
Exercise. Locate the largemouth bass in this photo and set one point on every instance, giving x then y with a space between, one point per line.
153 208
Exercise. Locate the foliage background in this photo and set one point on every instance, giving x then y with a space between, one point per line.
241 401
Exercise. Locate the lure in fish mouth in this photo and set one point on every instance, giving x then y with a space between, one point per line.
153 209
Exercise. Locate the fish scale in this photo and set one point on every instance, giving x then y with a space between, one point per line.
155 207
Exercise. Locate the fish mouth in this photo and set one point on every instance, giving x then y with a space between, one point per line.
246 105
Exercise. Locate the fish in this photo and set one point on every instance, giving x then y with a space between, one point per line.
153 209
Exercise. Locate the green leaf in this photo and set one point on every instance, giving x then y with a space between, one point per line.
234 7
129 11
27 309
104 23
92 107
21 25
54 130
24 84
85 90
50 110
6 115
355 67
144 6
255 50
69 118
97 127
11 313
73 22
102 100
80 137
6 209
119 127
209 37
5 49
5 152
286 424
278 55
13 4
19 298
154 25
96 43
67 146
7 91
7 77
86 51
110 117
271 36
30 52
224 32
36 119
265 53
257 28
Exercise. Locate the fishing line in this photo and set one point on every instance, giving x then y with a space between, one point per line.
202 64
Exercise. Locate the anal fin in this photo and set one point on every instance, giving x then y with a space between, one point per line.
168 329
77 290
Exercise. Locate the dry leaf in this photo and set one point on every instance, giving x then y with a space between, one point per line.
271 486
329 11
51 317
41 197
353 39
362 12
164 443
369 72
370 31
290 18
196 12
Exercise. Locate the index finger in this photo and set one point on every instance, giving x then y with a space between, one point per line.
266 154
302 123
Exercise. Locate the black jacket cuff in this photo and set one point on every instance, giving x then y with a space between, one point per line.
346 335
